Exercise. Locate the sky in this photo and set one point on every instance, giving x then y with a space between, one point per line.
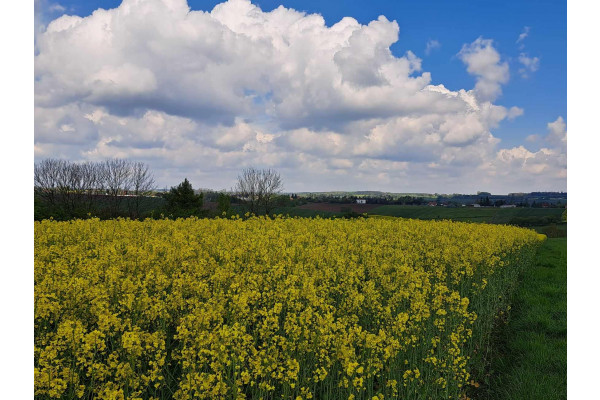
431 96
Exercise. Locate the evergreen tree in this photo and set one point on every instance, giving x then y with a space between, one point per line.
183 197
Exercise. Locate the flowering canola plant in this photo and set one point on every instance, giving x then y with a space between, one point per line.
261 308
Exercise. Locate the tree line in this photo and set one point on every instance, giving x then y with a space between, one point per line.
123 188
345 199
68 188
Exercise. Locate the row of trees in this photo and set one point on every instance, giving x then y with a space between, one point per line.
77 188
117 187
258 189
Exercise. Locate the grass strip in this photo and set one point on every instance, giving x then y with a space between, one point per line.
530 356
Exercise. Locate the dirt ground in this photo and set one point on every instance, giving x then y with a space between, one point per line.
337 207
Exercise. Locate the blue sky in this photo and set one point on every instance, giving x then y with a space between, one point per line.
539 92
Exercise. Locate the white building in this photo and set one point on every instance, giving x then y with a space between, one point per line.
361 201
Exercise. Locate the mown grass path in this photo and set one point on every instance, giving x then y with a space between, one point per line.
530 359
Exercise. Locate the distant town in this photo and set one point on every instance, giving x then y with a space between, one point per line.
519 199
481 199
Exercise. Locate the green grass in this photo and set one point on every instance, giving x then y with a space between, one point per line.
553 230
426 212
467 214
530 358
464 214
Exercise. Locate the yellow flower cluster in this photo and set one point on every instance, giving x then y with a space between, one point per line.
261 308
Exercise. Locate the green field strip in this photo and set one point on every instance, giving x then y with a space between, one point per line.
530 358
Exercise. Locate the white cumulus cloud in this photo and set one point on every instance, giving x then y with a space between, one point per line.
203 94
483 61
519 164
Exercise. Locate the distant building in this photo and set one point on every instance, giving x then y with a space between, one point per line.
361 201
508 206
476 205
432 204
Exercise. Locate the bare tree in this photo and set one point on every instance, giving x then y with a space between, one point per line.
270 184
142 182
247 187
45 180
66 176
74 187
117 174
77 185
259 188
91 174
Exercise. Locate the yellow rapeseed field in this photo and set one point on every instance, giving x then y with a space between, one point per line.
265 308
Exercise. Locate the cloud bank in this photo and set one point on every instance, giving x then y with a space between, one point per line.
204 94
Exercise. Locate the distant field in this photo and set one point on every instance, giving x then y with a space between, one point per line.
490 215
338 207
303 212
466 214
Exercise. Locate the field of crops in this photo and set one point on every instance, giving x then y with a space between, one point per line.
494 215
268 308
